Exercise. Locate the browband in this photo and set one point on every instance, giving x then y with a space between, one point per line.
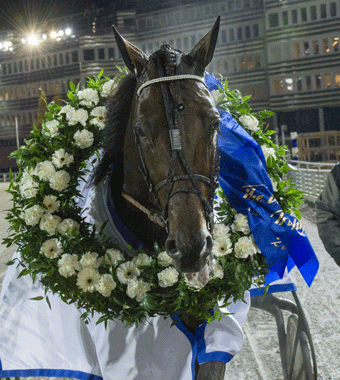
167 79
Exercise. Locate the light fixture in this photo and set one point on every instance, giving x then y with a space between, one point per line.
68 31
60 33
33 39
23 40
53 34
44 36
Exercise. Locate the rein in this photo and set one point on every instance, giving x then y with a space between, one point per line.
172 109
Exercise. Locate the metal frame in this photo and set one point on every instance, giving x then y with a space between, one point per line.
275 305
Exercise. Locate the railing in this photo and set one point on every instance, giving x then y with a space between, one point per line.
4 177
310 177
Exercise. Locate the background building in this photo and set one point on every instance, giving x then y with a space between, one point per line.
285 53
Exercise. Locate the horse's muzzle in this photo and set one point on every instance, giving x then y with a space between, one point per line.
189 253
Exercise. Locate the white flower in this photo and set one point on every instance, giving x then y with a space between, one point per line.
67 110
221 230
59 180
137 289
44 170
28 187
99 120
241 224
250 122
267 151
244 247
108 88
90 259
113 256
222 246
142 259
105 285
32 215
52 128
51 248
164 259
83 139
127 271
77 116
66 227
167 277
88 278
88 97
49 223
68 264
217 271
52 203
217 96
60 158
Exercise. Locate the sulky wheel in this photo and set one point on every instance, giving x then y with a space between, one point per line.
298 352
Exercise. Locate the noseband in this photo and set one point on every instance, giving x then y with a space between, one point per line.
172 109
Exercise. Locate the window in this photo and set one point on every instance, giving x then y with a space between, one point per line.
239 34
327 80
285 18
32 64
256 31
37 63
315 47
289 84
43 62
242 64
55 60
318 81
61 59
323 11
299 84
4 70
325 45
224 36
9 68
20 67
333 9
257 62
308 82
111 52
247 32
49 61
101 53
336 44
337 79
226 66
296 47
278 87
294 16
273 20
75 57
88 54
306 48
231 35
250 64
15 67
313 12
303 14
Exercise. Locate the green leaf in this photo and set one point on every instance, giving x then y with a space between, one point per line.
24 272
72 86
266 289
11 262
39 298
48 302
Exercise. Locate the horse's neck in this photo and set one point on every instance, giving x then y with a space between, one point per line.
146 231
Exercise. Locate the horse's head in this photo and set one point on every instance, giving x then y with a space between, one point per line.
173 131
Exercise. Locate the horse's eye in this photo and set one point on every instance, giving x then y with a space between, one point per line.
216 127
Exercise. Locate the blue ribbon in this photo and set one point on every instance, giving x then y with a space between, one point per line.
244 179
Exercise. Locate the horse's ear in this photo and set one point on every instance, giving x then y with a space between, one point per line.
133 57
204 49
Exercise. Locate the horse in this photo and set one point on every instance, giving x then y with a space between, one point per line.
160 151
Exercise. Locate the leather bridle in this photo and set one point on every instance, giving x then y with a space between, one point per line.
172 109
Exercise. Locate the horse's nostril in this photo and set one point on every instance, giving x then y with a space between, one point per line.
171 248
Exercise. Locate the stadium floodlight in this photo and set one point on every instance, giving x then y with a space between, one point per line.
60 33
44 36
68 31
33 39
53 34
23 40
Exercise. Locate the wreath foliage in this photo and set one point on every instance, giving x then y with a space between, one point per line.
59 248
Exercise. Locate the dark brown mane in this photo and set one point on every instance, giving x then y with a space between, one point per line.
117 116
